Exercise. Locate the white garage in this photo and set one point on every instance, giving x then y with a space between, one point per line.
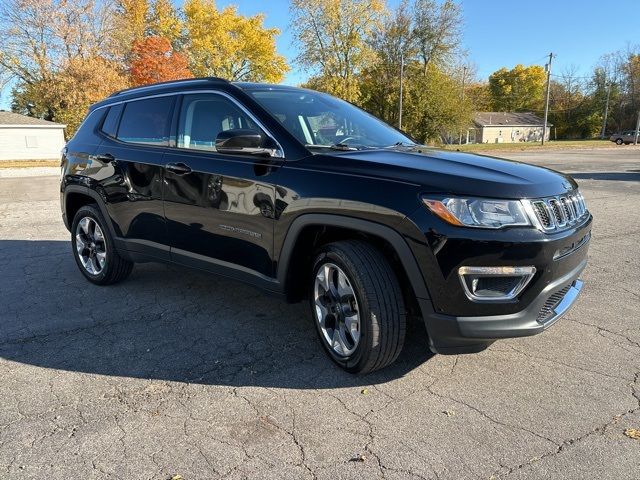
29 138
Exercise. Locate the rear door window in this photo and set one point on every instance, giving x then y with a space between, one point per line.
147 121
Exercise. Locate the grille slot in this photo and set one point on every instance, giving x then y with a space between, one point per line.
543 214
557 213
546 312
567 206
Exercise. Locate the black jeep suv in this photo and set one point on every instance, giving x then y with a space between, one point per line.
307 196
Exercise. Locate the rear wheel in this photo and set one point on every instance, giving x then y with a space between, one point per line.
357 306
94 250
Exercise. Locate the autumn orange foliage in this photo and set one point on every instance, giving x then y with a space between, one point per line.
153 60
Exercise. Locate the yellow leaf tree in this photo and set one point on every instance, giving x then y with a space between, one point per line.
80 83
134 18
164 22
231 46
517 90
332 36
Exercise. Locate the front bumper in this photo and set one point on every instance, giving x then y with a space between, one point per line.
455 323
451 334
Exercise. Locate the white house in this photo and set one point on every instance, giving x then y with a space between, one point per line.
29 138
508 127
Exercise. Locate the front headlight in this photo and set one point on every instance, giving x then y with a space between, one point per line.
479 212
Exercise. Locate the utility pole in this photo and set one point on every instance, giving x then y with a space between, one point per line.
401 82
606 114
546 103
635 140
464 75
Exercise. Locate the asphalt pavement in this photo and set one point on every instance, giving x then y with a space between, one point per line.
175 372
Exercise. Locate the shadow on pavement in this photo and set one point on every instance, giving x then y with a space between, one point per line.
628 176
165 323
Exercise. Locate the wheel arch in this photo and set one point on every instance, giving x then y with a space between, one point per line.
309 231
77 196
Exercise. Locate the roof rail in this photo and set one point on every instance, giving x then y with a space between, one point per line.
170 82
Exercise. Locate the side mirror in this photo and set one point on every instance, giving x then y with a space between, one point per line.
244 141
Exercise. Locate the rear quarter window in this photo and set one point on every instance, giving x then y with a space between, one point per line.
147 121
110 124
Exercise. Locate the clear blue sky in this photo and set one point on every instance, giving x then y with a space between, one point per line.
501 33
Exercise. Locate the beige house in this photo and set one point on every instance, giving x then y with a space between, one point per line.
506 127
29 138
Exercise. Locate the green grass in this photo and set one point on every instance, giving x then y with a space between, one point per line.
516 147
28 163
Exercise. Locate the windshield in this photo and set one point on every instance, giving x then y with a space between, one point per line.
322 121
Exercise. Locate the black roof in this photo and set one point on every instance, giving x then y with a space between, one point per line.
171 83
195 83
264 86
162 87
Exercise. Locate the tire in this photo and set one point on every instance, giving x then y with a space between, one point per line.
619 141
93 248
378 303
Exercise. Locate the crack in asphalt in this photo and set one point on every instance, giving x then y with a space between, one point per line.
566 444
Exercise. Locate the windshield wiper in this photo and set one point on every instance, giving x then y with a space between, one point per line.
335 146
402 144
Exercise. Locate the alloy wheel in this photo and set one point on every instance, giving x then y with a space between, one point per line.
90 245
336 309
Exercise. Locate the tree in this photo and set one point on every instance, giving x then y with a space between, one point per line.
380 82
517 90
425 36
68 93
228 45
133 15
80 83
332 36
153 60
50 44
479 96
621 69
165 22
434 110
437 31
41 35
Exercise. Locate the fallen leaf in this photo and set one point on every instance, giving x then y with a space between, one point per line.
632 433
177 477
365 391
449 413
359 457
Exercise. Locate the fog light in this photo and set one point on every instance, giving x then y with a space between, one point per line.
494 284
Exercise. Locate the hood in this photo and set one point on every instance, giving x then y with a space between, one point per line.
441 171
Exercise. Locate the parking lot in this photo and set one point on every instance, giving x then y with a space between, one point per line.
174 373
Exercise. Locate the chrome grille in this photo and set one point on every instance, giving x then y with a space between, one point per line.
557 213
543 214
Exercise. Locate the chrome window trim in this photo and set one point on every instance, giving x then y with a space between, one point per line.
278 152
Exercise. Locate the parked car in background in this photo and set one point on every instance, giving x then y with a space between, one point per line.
625 137
309 197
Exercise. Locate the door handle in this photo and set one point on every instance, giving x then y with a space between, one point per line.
178 168
105 157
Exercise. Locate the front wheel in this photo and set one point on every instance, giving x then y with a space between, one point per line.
619 141
357 306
